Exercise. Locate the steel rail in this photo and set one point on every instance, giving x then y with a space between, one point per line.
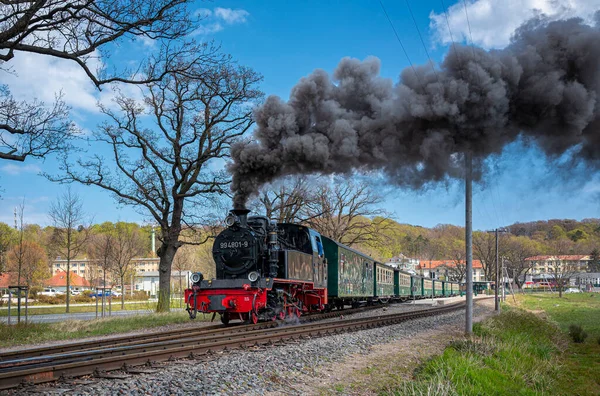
133 355
85 345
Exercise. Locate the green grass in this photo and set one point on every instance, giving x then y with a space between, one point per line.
514 353
32 333
79 308
517 352
581 375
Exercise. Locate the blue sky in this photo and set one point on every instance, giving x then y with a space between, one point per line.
287 40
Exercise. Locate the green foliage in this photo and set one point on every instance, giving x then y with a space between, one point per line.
512 353
577 235
577 334
594 264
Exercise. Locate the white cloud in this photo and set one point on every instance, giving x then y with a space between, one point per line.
231 16
15 169
214 20
208 29
43 77
494 21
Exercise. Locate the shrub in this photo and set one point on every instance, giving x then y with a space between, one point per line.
577 334
598 340
33 292
138 295
52 300
83 298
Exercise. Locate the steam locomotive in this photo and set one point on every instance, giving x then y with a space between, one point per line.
269 271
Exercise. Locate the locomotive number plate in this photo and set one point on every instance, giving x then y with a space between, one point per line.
233 244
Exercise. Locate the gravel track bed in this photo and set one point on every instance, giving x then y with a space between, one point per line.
258 370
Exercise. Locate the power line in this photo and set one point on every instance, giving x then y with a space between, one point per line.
452 39
401 45
422 41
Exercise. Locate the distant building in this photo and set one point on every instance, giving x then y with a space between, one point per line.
403 262
59 282
588 281
92 270
447 269
148 281
546 264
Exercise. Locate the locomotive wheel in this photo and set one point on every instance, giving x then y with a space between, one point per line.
253 318
225 318
298 312
281 315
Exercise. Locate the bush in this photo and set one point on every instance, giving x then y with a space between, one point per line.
82 298
577 334
33 292
52 300
598 340
138 295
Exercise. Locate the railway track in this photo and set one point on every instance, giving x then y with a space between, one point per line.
46 364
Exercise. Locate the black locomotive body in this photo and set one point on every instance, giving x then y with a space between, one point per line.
264 271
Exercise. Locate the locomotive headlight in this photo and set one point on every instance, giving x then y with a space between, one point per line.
230 220
253 276
196 277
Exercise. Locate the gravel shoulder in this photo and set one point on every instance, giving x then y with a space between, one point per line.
313 366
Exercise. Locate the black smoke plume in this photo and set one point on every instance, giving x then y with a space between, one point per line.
544 85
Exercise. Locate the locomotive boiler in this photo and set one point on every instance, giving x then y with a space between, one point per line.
264 271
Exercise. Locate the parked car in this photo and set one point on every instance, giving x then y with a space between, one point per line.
50 292
573 290
106 294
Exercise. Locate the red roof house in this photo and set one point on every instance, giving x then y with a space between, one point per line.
59 281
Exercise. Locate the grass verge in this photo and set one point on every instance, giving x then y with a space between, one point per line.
33 333
88 307
581 362
514 353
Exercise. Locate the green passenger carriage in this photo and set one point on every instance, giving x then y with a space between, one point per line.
427 287
350 274
383 281
438 288
402 284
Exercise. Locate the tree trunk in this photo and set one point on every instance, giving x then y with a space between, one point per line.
122 292
167 254
68 282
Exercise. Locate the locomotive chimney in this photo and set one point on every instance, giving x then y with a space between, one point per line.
242 214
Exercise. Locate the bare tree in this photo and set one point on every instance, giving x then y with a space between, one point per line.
80 31
101 250
70 235
29 259
128 244
561 270
32 129
163 170
484 249
284 201
458 272
516 250
19 250
341 212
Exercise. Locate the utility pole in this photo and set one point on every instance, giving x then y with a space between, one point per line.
469 239
496 294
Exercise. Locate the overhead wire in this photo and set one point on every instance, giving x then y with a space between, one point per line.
422 41
398 37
